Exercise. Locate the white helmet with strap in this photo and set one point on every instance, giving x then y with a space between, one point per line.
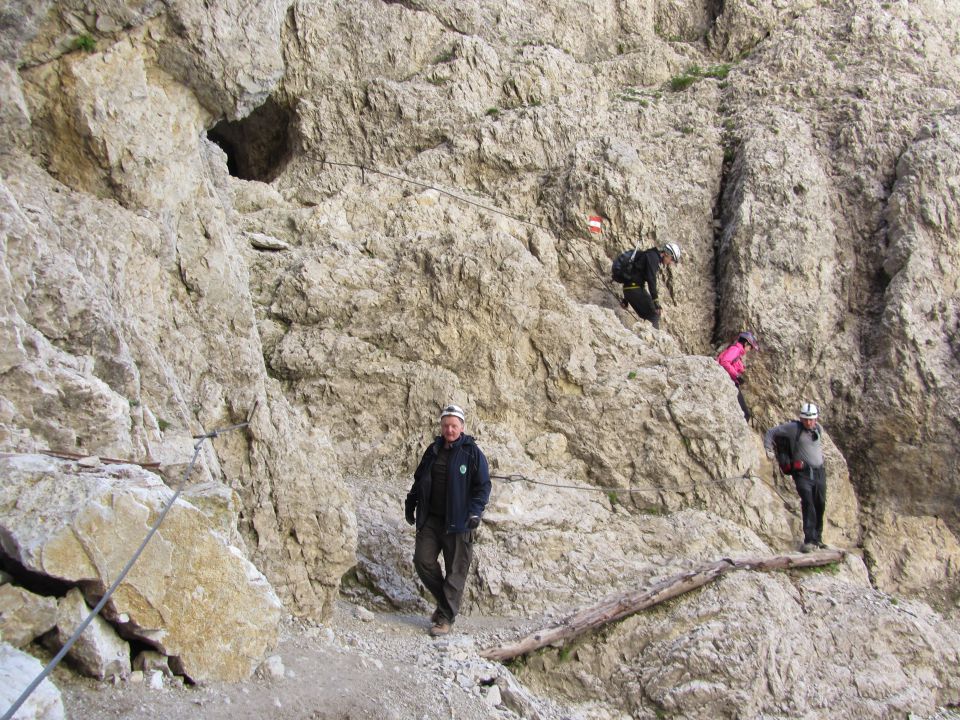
809 411
673 250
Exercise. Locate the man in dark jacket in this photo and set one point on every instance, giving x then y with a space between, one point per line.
451 486
803 440
645 301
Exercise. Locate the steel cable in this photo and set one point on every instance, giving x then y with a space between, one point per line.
489 208
711 481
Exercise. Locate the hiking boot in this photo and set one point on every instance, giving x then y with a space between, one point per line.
441 627
822 545
436 617
807 548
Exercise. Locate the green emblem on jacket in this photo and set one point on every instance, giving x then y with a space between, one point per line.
463 469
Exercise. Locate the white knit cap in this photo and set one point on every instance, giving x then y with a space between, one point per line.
454 410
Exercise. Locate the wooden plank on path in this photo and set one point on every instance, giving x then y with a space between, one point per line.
620 606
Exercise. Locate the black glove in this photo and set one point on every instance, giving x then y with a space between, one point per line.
473 522
411 516
623 303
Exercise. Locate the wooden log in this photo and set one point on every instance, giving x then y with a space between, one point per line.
66 455
620 606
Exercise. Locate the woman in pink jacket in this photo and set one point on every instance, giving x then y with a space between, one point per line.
731 360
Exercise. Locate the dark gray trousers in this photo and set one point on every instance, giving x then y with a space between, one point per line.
445 585
811 484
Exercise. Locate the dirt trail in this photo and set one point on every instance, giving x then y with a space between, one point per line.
359 665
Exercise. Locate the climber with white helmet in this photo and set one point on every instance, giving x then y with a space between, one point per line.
451 486
799 451
731 360
635 269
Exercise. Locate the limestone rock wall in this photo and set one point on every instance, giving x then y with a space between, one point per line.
778 196
823 240
517 118
128 324
153 285
757 645
915 385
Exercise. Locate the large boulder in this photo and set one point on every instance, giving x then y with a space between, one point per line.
190 594
228 53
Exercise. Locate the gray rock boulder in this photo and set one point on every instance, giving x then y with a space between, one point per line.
228 53
17 671
99 652
24 616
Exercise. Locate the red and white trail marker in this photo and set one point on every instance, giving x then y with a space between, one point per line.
595 223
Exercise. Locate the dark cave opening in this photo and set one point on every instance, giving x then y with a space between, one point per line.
257 146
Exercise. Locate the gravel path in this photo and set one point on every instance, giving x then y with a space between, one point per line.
359 665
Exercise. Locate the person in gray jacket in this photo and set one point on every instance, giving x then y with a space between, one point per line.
804 446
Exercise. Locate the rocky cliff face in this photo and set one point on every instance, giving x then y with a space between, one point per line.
129 323
195 234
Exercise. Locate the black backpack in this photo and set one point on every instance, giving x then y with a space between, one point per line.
623 269
783 449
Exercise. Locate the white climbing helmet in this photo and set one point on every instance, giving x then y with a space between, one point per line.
809 411
673 250
454 410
